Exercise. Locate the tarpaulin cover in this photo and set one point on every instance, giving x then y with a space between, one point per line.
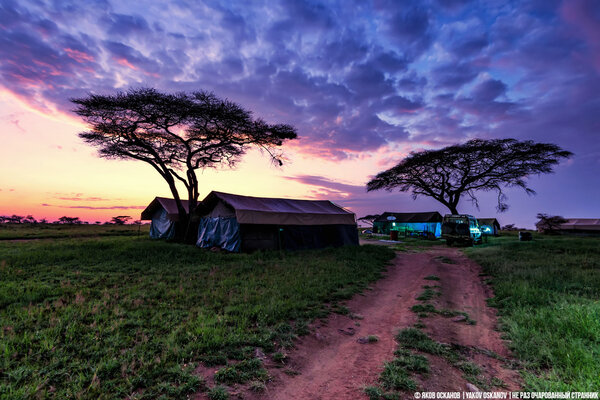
430 227
272 211
430 216
219 232
161 226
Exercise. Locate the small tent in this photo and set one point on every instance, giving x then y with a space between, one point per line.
243 223
410 224
164 216
489 226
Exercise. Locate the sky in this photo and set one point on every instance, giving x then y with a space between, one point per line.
364 83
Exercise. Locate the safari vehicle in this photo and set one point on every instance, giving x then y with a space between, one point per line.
461 228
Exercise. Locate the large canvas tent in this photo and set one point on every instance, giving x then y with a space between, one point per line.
581 226
410 224
164 216
489 226
243 223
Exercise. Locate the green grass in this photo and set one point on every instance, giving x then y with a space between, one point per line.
547 292
428 294
397 374
218 393
57 231
127 317
432 278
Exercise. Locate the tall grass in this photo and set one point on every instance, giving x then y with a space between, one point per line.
547 292
54 231
113 317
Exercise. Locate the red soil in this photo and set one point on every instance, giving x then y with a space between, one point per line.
333 365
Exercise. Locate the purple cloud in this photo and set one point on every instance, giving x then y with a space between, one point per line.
351 77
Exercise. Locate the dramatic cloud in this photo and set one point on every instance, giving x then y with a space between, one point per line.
354 77
96 207
434 69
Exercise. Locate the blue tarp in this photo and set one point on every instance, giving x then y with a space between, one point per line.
161 226
416 227
219 232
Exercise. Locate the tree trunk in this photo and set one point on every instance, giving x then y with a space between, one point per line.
191 228
453 209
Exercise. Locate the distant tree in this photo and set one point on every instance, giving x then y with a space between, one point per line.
69 220
370 219
97 222
549 224
120 220
43 221
3 219
177 134
451 173
29 220
15 219
510 227
137 222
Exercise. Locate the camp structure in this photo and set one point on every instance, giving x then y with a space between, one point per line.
427 224
243 223
582 226
489 226
164 216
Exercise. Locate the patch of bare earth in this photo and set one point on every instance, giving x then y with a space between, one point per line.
330 363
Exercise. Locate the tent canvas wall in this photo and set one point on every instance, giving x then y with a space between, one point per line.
489 226
243 223
163 215
408 224
589 226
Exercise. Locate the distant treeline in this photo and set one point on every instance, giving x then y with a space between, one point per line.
18 219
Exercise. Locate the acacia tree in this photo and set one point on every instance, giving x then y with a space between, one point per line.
120 220
458 171
549 224
177 134
370 219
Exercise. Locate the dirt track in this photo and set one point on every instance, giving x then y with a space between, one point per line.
333 365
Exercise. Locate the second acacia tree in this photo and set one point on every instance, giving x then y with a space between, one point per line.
455 172
177 134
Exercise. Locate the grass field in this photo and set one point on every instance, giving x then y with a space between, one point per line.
55 231
548 295
120 317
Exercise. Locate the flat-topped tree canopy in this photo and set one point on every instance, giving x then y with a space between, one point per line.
177 134
463 170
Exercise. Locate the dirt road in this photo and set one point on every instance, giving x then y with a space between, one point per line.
333 365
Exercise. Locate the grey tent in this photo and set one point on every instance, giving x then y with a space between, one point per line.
408 224
489 226
164 216
243 223
581 226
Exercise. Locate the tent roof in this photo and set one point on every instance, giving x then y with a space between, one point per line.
431 216
274 211
488 221
580 224
162 202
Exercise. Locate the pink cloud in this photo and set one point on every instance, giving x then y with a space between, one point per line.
96 208
79 56
124 62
